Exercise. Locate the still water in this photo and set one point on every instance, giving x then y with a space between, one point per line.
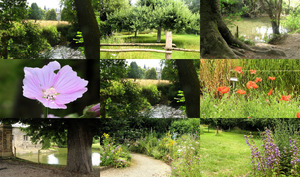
58 157
255 29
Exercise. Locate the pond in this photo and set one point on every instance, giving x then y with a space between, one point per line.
58 157
255 29
164 111
63 52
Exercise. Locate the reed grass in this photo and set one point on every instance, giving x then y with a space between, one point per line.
147 82
46 23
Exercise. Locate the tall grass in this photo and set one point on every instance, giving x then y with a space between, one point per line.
46 23
217 72
147 82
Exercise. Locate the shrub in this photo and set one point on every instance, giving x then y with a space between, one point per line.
51 34
191 126
292 22
151 93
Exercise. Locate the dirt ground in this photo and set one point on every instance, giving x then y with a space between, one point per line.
142 166
12 168
289 44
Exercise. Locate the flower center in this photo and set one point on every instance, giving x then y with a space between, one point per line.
50 94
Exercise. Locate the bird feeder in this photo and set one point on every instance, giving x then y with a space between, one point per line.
233 80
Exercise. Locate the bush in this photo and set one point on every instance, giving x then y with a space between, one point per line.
187 126
292 22
51 34
151 93
27 41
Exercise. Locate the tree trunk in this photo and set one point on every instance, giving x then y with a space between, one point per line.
190 84
135 33
80 139
275 28
158 34
89 27
214 35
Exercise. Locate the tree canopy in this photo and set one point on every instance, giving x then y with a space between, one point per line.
50 15
151 74
36 12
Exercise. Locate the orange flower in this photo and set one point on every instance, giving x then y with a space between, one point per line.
241 92
238 69
285 98
252 71
258 79
202 61
267 100
298 115
271 78
270 92
249 117
251 85
223 89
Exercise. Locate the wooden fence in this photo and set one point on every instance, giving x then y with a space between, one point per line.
168 47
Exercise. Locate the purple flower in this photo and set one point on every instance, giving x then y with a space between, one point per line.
96 109
51 89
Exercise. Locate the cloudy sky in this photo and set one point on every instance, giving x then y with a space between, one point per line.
48 3
148 62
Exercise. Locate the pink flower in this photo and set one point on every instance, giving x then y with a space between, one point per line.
96 109
51 89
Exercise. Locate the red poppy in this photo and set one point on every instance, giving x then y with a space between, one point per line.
258 79
223 89
271 78
252 71
241 92
285 98
238 69
251 85
202 61
270 92
249 117
298 115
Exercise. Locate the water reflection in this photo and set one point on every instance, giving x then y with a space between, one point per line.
58 157
256 29
52 159
63 52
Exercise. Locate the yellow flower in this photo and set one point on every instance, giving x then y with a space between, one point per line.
172 142
105 135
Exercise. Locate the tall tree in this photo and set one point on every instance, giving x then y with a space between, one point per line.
151 74
50 15
133 71
190 84
89 28
35 13
273 9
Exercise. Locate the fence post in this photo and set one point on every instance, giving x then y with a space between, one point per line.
15 149
38 156
168 44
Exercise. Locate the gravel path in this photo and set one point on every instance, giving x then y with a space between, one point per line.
141 166
10 168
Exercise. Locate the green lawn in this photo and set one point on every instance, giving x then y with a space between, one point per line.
186 41
224 155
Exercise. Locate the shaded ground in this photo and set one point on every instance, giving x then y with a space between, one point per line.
142 166
12 168
289 44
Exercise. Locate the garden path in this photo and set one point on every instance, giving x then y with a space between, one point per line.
141 166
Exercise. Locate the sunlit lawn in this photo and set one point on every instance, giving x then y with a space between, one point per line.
224 155
187 41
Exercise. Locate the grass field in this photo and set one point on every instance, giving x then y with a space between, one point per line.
186 41
224 155
44 23
146 82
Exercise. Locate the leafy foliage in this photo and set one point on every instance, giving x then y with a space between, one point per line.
151 74
36 12
50 15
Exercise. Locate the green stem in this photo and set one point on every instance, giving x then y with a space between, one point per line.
45 112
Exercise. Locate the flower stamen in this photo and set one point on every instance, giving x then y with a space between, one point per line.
50 94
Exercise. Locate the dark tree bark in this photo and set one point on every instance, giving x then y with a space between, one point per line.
89 27
191 86
273 9
80 139
216 38
158 34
